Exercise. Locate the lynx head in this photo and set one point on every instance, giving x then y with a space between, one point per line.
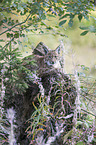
49 58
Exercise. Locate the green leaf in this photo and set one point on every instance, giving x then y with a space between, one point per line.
41 32
1 22
83 28
16 35
62 22
43 17
80 17
1 40
92 29
66 15
80 143
49 28
22 35
25 85
84 33
9 35
93 17
50 15
70 23
1 9
86 17
17 21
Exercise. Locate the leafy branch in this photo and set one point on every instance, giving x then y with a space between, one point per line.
16 25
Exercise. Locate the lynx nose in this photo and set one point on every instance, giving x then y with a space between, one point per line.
50 63
57 65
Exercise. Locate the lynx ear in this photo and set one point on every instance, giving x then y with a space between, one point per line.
41 49
58 49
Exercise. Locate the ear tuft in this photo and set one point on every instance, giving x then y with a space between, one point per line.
58 49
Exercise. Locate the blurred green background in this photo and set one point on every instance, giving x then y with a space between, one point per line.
78 49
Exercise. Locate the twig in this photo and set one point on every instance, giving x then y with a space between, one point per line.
88 99
16 25
8 43
88 112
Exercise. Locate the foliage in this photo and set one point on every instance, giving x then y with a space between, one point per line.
87 29
34 14
38 118
21 16
84 126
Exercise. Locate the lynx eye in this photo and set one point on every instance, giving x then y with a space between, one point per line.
49 56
